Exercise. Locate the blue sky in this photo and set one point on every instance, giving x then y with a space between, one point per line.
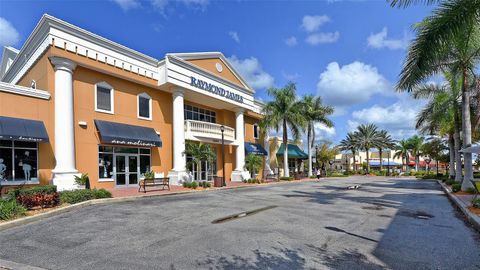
349 52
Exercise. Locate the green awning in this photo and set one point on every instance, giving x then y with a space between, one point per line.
293 152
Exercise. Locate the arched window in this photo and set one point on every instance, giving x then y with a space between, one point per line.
103 97
144 106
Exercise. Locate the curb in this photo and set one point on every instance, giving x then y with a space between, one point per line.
4 264
471 218
29 219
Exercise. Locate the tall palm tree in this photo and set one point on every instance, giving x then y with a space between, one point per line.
284 112
415 144
367 137
441 116
314 112
200 152
449 38
403 151
350 144
385 142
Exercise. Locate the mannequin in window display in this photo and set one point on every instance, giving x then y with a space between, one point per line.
107 168
102 168
25 163
3 168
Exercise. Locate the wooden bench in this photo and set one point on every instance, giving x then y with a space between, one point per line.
273 177
162 181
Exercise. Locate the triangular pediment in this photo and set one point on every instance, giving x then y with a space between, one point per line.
215 63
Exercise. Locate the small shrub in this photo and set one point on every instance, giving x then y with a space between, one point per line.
83 180
456 187
10 209
81 195
284 178
194 185
476 203
185 184
149 175
470 190
450 182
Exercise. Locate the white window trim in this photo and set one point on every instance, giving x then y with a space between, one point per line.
112 94
144 95
258 131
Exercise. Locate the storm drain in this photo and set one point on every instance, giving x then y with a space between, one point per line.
242 214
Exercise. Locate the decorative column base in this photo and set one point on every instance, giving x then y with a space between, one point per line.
65 180
239 176
178 177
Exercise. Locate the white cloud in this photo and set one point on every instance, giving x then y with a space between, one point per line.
159 5
8 33
380 40
350 84
234 36
128 4
313 23
252 71
398 118
291 41
196 4
324 132
290 77
319 38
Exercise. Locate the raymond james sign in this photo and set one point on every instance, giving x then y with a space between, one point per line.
215 90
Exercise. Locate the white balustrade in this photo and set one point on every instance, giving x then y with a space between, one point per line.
208 130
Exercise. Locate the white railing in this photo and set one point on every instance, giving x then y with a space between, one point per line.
208 130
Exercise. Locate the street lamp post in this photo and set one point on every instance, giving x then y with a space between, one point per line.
331 163
427 161
222 129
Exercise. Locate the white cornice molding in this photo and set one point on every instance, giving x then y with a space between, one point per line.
209 55
53 31
24 91
194 68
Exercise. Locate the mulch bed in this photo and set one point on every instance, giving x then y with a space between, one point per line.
474 210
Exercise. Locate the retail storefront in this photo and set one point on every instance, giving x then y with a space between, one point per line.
115 113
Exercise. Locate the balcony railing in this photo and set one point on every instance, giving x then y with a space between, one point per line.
208 130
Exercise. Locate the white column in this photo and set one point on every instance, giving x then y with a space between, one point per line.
266 145
239 173
178 173
64 172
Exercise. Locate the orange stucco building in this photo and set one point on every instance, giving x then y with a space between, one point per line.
73 102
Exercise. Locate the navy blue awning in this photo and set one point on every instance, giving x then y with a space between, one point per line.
116 133
254 148
22 130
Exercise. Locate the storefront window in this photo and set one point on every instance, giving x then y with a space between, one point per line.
108 154
18 161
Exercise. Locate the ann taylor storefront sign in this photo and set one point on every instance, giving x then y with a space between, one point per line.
215 90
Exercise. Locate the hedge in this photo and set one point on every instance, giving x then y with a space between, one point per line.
38 196
80 195
11 209
284 178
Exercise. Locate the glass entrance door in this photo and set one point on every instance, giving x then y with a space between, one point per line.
126 167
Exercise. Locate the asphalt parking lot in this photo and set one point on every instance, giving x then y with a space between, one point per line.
386 224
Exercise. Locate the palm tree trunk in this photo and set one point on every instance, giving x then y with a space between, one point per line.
368 162
381 159
286 172
467 133
309 150
456 139
416 162
451 149
354 163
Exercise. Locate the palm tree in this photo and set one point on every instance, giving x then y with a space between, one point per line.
450 38
284 112
441 116
253 163
434 149
415 144
200 152
350 144
314 112
385 142
326 153
403 151
367 137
